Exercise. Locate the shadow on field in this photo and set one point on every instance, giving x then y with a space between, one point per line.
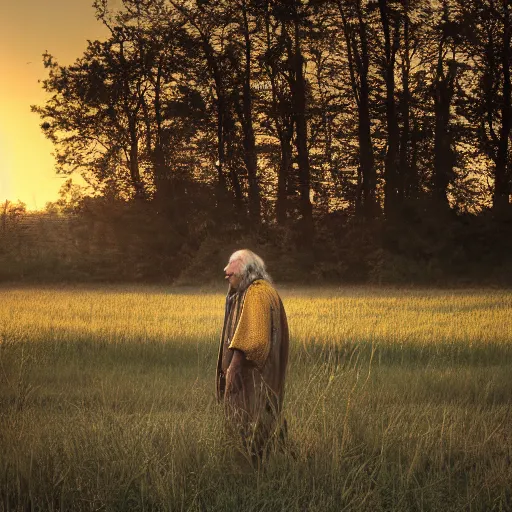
384 376
383 353
65 376
67 345
151 354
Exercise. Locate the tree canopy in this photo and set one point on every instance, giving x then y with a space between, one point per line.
309 116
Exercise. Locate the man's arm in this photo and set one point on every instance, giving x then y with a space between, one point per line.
234 381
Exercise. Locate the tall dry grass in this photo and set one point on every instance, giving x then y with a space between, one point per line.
396 400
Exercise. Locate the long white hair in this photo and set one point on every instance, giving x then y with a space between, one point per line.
253 267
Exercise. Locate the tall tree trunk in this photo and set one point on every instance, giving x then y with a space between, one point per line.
412 184
161 176
443 155
133 162
222 194
299 113
221 103
234 179
502 173
131 113
359 63
444 88
284 127
391 160
249 141
404 169
285 170
366 158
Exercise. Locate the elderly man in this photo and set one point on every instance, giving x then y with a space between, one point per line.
253 353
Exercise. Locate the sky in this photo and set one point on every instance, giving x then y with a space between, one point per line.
28 28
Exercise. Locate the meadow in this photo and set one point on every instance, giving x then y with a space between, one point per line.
396 400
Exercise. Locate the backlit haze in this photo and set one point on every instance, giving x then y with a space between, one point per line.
28 28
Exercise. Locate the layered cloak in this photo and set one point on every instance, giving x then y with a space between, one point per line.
255 323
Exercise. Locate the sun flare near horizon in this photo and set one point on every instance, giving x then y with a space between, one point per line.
27 30
27 166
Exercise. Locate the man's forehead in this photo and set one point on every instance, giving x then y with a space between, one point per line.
236 256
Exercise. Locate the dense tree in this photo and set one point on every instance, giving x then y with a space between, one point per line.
488 38
355 30
310 115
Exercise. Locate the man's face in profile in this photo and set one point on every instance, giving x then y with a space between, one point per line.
233 271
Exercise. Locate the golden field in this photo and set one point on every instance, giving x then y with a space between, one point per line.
396 400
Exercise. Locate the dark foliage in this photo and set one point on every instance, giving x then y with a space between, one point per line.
346 140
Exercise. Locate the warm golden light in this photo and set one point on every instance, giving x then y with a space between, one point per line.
5 166
27 30
27 164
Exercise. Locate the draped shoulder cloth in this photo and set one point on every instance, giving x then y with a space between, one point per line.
253 333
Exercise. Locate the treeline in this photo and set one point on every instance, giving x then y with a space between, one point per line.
362 136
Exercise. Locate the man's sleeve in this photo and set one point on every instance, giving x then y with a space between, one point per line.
252 335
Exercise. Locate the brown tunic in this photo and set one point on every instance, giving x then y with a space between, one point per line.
255 323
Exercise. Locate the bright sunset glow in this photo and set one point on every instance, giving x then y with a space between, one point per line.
27 30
